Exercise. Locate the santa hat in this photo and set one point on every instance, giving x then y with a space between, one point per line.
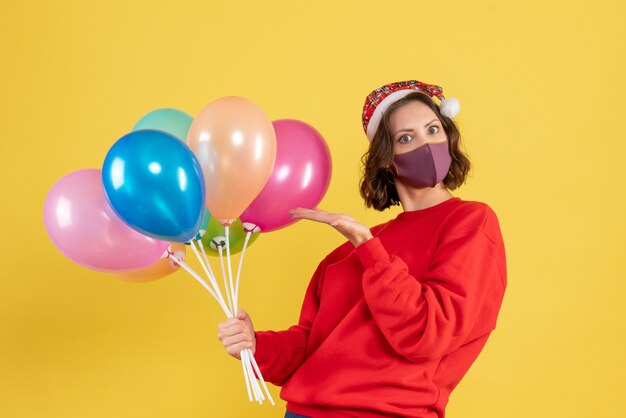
380 99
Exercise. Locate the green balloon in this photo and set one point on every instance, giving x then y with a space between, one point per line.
236 237
171 121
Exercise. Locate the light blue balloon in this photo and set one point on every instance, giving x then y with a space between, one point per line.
173 121
205 220
155 184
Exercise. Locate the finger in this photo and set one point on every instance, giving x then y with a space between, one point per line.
319 215
234 350
228 323
307 211
233 330
236 339
299 212
299 209
242 315
311 214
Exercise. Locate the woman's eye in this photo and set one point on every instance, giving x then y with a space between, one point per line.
433 130
404 139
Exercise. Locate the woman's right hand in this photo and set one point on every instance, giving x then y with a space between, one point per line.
237 334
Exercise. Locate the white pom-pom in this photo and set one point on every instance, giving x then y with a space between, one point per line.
450 107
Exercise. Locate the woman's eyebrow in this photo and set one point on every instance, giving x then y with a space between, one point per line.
402 130
411 130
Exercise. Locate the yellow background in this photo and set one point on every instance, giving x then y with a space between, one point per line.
541 85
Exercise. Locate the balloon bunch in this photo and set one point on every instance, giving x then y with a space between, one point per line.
213 183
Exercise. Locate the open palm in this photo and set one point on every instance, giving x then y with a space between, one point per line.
353 230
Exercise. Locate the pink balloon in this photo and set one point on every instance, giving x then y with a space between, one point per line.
82 225
300 176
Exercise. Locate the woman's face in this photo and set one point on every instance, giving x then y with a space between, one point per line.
413 125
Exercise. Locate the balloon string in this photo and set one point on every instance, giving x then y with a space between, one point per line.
207 266
246 377
243 253
246 365
247 358
230 269
199 279
258 373
215 277
259 392
230 302
216 293
248 353
206 259
209 274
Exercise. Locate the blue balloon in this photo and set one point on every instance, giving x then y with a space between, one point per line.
154 183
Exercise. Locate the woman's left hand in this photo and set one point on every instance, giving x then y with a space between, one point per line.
356 232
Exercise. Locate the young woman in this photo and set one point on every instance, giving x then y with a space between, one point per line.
392 319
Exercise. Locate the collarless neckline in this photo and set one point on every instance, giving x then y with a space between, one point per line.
414 214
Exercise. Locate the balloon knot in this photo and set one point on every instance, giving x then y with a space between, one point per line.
250 227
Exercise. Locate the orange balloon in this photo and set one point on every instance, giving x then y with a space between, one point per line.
161 268
236 146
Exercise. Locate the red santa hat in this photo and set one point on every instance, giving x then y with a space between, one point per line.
380 99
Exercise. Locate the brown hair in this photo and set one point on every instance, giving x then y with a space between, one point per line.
377 184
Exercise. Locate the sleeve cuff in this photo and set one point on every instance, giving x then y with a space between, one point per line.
264 344
371 252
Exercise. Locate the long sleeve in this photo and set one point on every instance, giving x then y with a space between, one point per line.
280 353
456 299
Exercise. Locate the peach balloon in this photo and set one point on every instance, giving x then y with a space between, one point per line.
161 268
236 146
